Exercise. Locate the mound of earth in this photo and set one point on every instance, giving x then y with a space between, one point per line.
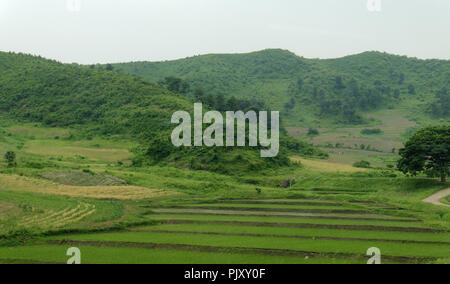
80 178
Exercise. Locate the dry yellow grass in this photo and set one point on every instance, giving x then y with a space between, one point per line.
325 166
57 219
7 208
25 184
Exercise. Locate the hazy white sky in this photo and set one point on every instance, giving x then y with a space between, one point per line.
130 30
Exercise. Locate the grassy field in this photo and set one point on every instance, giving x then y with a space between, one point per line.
80 192
446 200
349 144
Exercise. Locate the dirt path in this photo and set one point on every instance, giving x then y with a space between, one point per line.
435 198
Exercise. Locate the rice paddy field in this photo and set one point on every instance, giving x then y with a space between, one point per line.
257 231
115 213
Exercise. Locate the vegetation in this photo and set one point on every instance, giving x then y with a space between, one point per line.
305 90
313 131
104 102
362 164
205 215
428 150
371 131
10 158
104 181
441 106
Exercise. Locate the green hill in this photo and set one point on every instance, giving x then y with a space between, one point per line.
40 90
314 91
102 102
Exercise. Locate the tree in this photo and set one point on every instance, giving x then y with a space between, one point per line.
411 89
401 78
175 85
300 84
233 104
427 151
220 103
339 84
160 147
199 95
441 108
362 164
313 131
10 158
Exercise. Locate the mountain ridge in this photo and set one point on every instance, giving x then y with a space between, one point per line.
286 82
287 51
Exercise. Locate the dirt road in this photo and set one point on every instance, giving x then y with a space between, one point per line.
434 199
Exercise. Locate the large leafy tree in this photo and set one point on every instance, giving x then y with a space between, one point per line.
427 151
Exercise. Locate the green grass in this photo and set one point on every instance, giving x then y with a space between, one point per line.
278 220
63 161
359 248
72 150
382 235
34 131
107 255
446 200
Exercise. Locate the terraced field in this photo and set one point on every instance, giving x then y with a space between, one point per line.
56 219
252 231
33 185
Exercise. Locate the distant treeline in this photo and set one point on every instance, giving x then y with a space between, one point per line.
219 102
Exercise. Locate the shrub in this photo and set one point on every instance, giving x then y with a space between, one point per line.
87 171
34 165
313 131
371 131
362 164
10 158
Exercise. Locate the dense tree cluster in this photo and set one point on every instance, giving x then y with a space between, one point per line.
441 106
346 99
217 102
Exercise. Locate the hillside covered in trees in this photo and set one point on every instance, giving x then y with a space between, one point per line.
40 90
104 102
338 90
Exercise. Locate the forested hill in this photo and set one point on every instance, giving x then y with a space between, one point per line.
41 90
340 89
104 102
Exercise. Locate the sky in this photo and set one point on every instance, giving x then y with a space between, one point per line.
109 31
